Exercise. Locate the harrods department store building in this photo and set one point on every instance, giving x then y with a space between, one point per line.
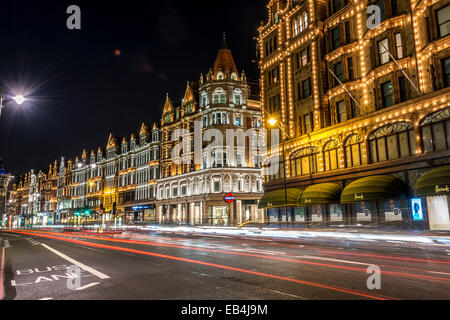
134 179
365 112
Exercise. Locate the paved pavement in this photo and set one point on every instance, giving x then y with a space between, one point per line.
51 265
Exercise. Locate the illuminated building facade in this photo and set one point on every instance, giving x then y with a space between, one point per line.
360 104
192 191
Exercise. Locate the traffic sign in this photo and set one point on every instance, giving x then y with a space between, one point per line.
229 198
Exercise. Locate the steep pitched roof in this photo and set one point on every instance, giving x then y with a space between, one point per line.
168 106
111 141
144 129
224 60
189 95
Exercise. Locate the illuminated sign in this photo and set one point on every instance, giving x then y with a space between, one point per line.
137 208
416 206
229 198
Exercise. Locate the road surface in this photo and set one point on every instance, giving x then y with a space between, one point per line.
52 265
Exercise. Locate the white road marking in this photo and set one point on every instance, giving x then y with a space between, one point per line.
334 260
88 286
77 263
447 274
45 299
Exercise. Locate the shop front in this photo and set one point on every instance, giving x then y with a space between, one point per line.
140 214
432 191
377 201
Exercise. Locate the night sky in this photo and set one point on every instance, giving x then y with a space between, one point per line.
80 90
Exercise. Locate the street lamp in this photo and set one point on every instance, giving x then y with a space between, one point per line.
18 99
272 122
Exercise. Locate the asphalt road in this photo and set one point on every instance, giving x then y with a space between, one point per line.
50 265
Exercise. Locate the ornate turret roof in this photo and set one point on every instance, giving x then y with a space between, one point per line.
168 106
99 150
189 95
144 129
224 60
84 155
155 126
92 153
111 141
124 140
132 137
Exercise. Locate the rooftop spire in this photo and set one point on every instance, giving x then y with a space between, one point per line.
224 43
224 60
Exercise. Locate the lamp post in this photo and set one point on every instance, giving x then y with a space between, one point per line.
19 99
272 122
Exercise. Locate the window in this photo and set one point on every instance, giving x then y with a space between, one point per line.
338 71
402 88
380 3
305 20
435 130
330 155
237 97
347 32
446 71
275 17
305 57
300 23
304 162
387 94
204 100
204 121
341 112
237 119
337 5
443 17
352 149
175 192
335 38
295 27
351 73
383 53
398 45
220 76
305 87
307 123
233 76
392 142
353 110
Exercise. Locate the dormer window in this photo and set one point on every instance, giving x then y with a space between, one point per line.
275 17
234 76
132 145
220 76
124 149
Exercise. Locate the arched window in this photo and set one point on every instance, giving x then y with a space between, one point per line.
435 131
304 162
300 23
203 99
234 76
330 155
353 148
237 97
219 76
392 141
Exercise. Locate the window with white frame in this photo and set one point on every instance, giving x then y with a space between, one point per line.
383 53
237 97
398 45
204 99
443 17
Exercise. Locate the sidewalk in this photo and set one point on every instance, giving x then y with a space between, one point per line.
380 237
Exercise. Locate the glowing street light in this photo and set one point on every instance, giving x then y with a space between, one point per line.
19 99
272 121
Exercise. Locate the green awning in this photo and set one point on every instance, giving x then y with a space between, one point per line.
374 188
275 199
322 193
434 182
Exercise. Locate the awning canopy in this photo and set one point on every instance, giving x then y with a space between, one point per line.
434 182
276 199
322 193
374 188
